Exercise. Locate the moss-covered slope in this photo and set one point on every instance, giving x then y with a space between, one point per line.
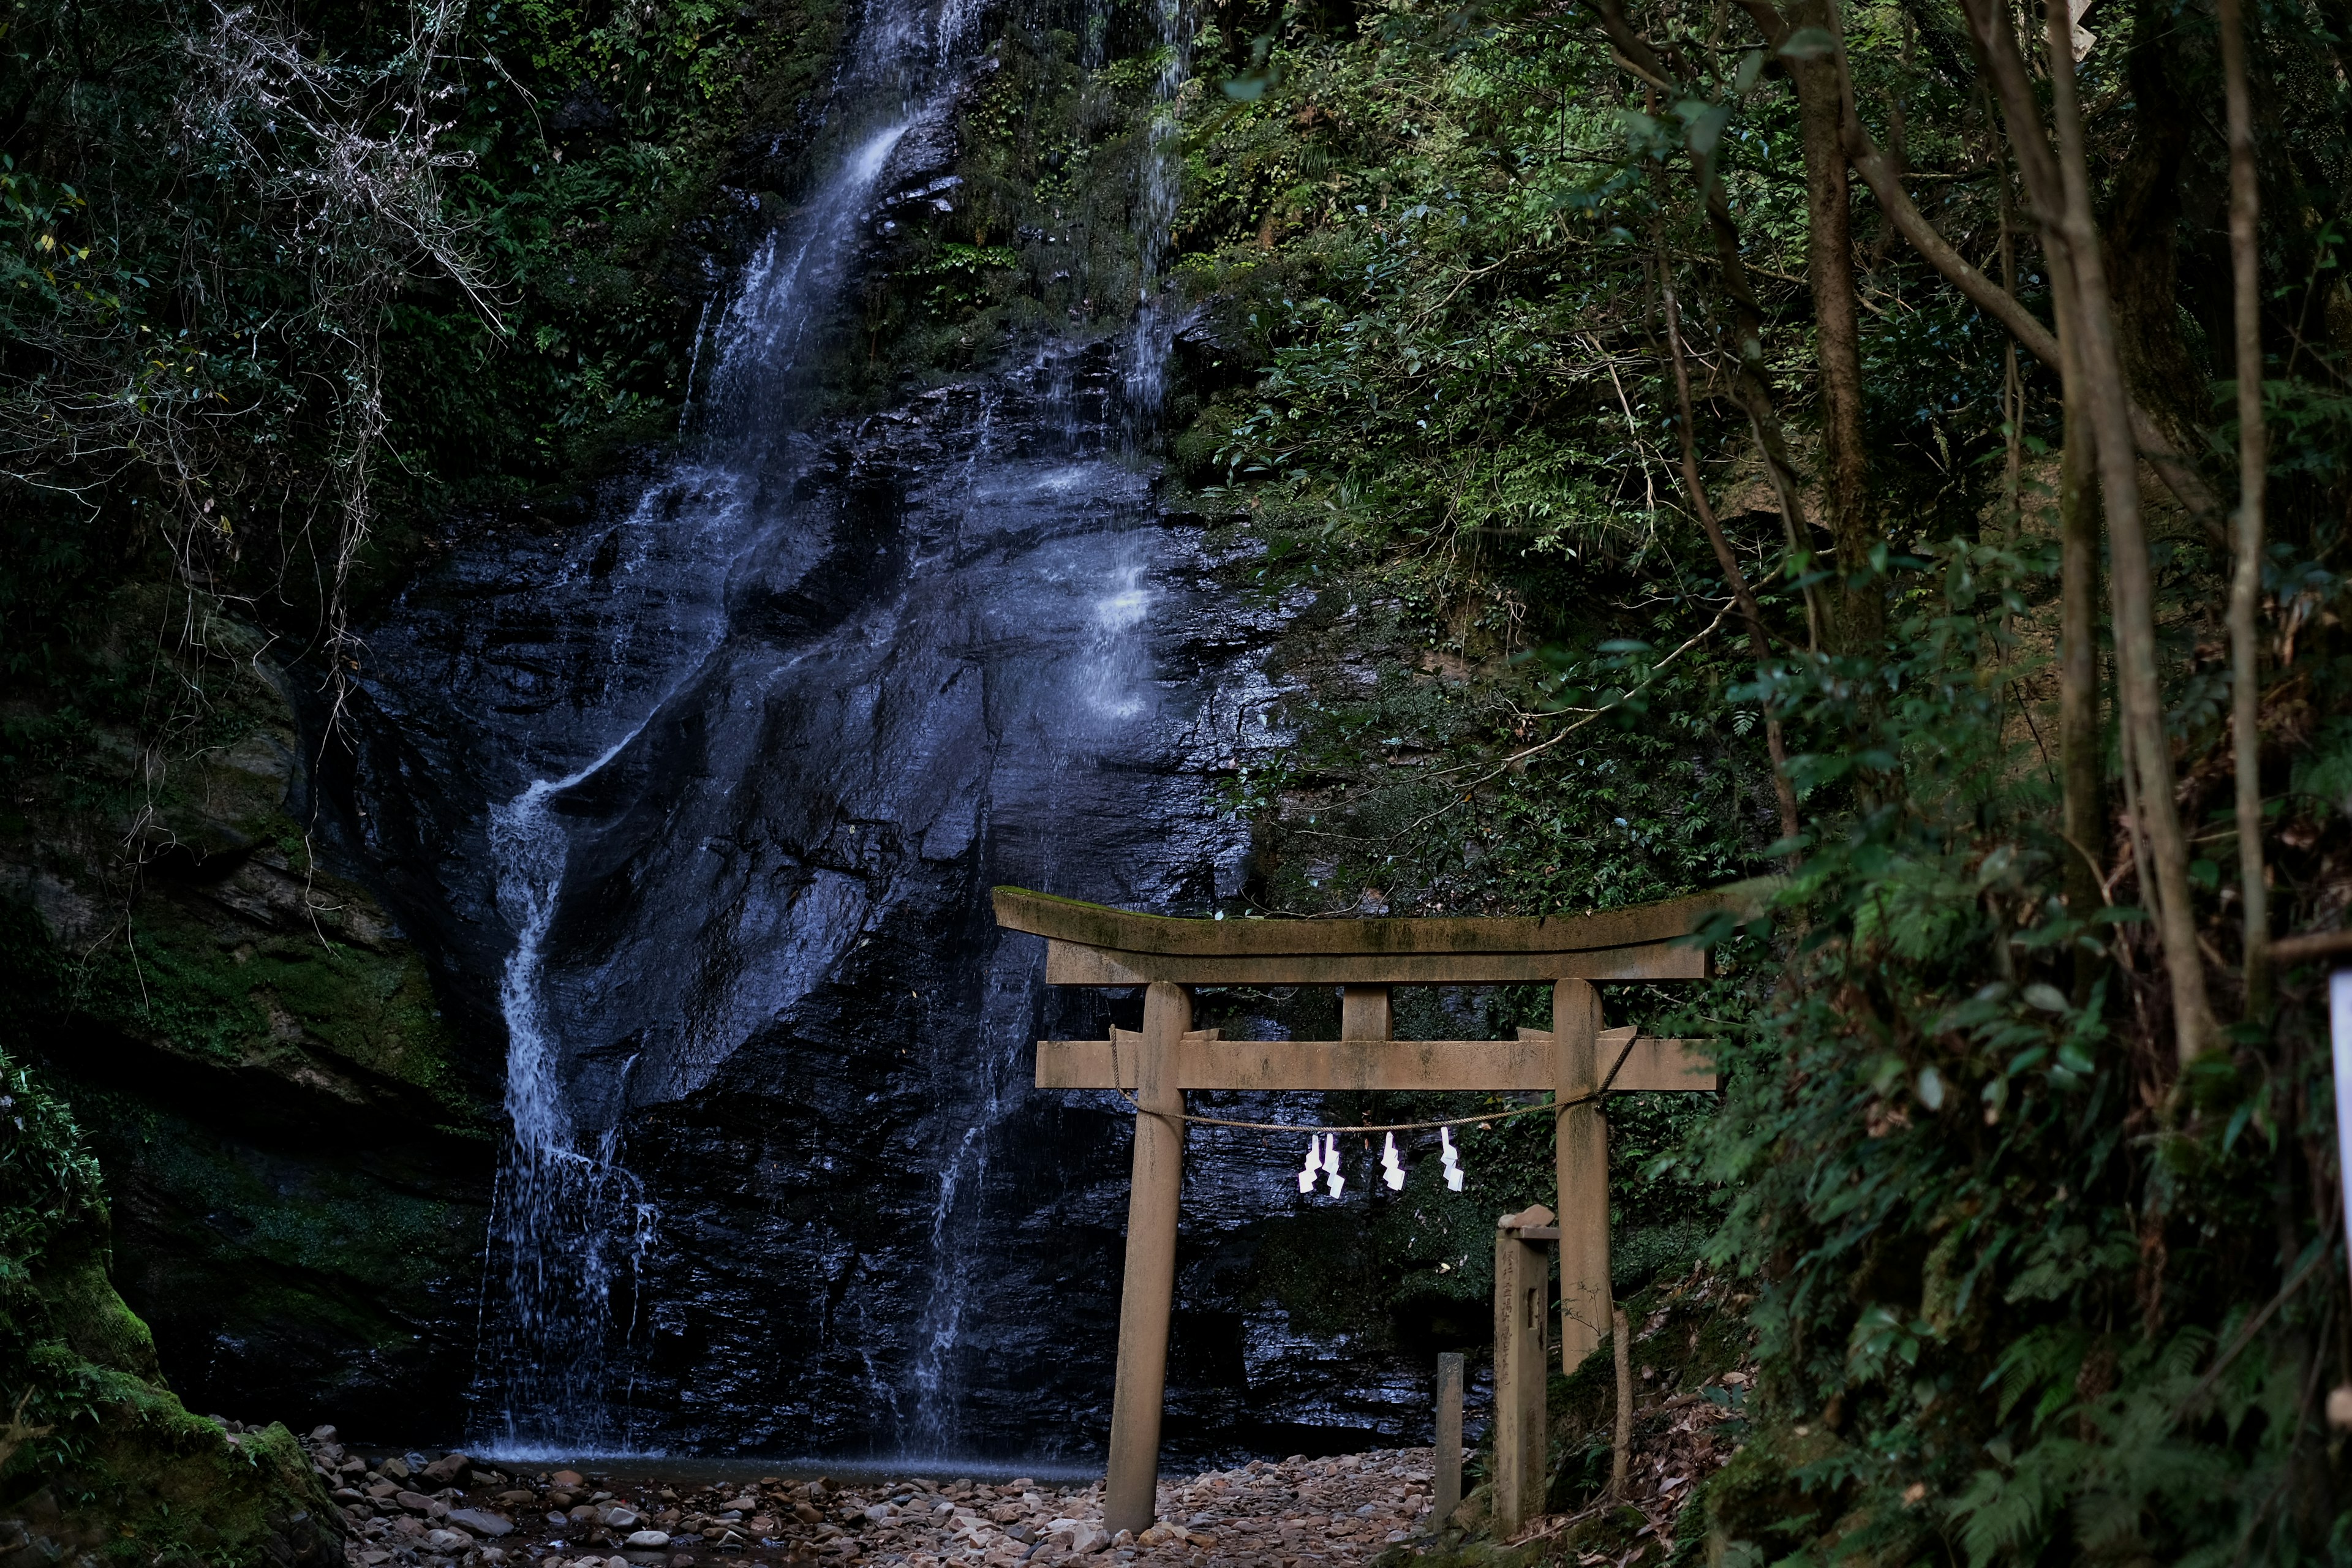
98 1454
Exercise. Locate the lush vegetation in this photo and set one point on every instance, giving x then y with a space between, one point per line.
1728 530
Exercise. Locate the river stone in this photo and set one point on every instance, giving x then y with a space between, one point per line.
648 1540
415 1502
479 1522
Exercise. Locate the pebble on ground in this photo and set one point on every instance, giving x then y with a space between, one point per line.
461 1512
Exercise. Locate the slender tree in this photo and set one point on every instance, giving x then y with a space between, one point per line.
2057 183
1758 640
2131 576
2246 585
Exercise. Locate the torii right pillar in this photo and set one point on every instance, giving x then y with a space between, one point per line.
1580 1163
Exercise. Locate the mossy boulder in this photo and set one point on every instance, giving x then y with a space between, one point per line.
99 1455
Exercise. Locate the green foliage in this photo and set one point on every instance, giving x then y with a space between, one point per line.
48 1183
2027 1291
1995 1276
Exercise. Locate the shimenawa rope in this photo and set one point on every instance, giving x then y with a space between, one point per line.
1180 1116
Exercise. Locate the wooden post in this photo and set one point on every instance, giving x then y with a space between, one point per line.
1581 1158
1364 1013
1448 1496
1131 1483
1521 1370
1622 1451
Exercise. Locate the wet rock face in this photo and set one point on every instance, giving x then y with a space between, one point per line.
811 715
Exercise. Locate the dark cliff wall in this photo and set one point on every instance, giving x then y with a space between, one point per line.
296 1145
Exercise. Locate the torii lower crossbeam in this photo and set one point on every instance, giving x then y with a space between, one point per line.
1093 945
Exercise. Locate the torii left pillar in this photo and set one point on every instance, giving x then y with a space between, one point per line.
1131 1480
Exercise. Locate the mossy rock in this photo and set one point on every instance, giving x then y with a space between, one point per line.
142 1479
300 1143
220 937
1757 1508
75 1297
100 1456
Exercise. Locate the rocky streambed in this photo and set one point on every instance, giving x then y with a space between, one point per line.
456 1511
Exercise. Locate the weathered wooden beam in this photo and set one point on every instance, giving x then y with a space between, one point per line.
1076 963
1364 1013
1524 1065
1442 937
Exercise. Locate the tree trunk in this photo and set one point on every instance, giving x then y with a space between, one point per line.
1860 621
2246 588
2131 577
2060 188
2142 221
2080 742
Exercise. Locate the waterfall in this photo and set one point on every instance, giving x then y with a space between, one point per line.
1109 691
570 1224
703 784
568 1219
1155 211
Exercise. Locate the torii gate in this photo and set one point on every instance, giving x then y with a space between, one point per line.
1090 944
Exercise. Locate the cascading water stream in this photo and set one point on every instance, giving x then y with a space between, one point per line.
1155 212
1111 688
725 769
570 1222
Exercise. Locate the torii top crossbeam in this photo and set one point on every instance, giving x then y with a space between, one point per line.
1090 944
